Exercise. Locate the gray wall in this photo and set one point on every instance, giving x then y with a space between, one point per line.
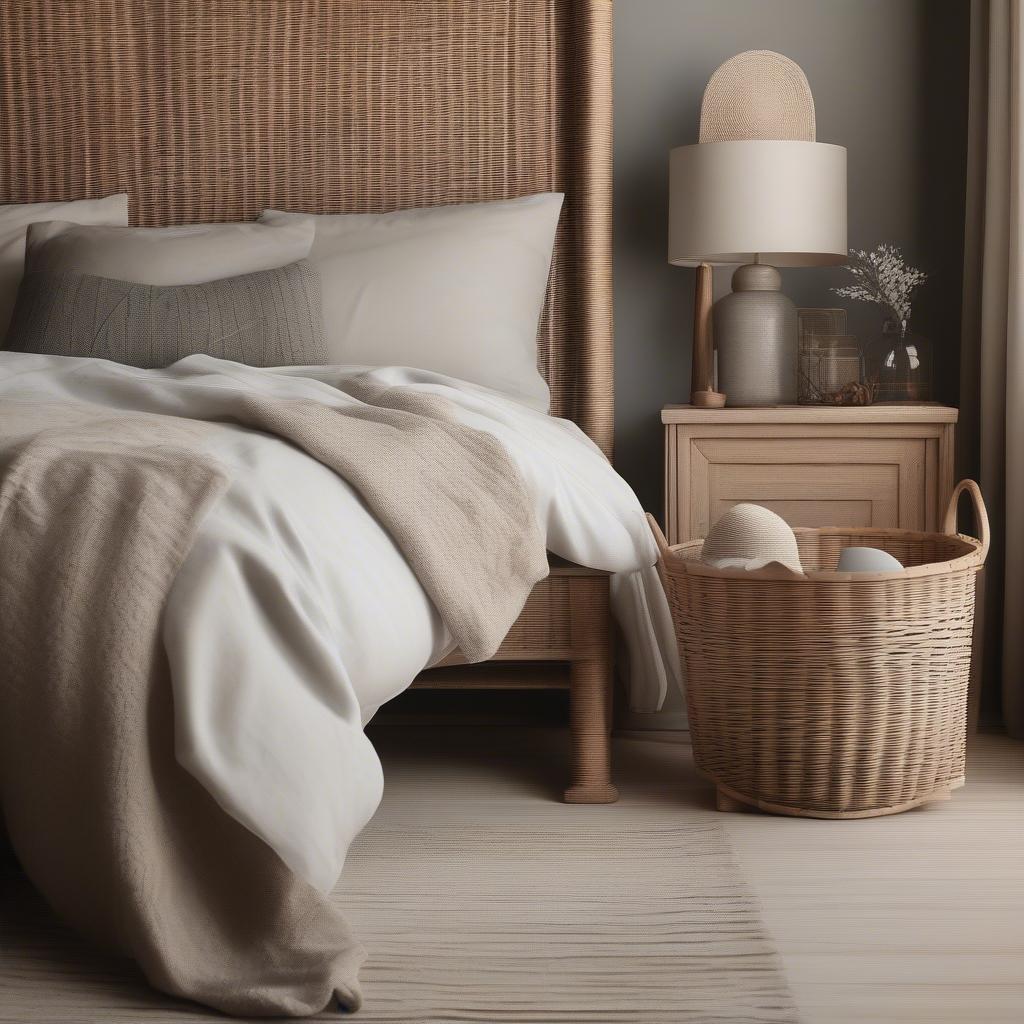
889 79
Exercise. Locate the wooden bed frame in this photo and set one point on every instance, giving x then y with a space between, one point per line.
212 111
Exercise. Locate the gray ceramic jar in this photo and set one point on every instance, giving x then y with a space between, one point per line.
755 334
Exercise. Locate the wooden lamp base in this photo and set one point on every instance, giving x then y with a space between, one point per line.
707 399
702 394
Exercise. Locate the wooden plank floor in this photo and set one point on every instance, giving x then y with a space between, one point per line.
914 917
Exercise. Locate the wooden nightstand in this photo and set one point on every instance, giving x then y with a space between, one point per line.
879 465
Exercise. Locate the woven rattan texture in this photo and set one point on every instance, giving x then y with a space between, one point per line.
834 698
212 111
565 619
758 94
545 624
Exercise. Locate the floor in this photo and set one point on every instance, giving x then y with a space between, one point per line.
481 898
915 917
647 918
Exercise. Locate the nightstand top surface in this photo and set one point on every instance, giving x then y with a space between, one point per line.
924 412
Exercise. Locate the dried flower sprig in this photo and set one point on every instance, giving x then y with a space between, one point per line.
883 277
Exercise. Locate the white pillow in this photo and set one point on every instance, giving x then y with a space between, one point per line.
186 254
14 222
454 289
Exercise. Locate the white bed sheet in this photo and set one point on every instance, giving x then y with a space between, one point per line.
295 616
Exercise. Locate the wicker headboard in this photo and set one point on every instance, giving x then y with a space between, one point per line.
207 110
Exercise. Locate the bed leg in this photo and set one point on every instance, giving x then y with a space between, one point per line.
590 719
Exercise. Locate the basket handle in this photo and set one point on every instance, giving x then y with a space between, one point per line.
659 537
980 513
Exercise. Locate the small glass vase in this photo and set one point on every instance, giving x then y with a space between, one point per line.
899 365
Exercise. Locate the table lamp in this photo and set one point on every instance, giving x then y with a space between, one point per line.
766 201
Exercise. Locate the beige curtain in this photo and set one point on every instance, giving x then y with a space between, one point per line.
992 377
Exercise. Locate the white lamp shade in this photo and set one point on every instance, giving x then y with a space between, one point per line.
781 202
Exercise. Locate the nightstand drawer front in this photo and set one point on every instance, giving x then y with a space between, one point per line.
810 481
827 494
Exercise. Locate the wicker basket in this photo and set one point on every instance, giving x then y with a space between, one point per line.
831 695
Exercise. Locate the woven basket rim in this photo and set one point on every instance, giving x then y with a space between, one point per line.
971 560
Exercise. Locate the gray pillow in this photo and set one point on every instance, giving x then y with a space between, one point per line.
267 318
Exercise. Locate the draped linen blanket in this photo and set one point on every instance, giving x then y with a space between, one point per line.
98 509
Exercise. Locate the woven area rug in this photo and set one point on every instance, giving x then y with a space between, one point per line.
480 899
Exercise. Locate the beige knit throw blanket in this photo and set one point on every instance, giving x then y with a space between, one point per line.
98 509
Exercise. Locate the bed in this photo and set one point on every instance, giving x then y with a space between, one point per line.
214 111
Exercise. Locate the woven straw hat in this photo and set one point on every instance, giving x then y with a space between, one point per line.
758 94
750 537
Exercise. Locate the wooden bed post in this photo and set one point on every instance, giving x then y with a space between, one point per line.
590 694
566 622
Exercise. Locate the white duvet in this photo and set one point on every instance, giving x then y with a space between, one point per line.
295 617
